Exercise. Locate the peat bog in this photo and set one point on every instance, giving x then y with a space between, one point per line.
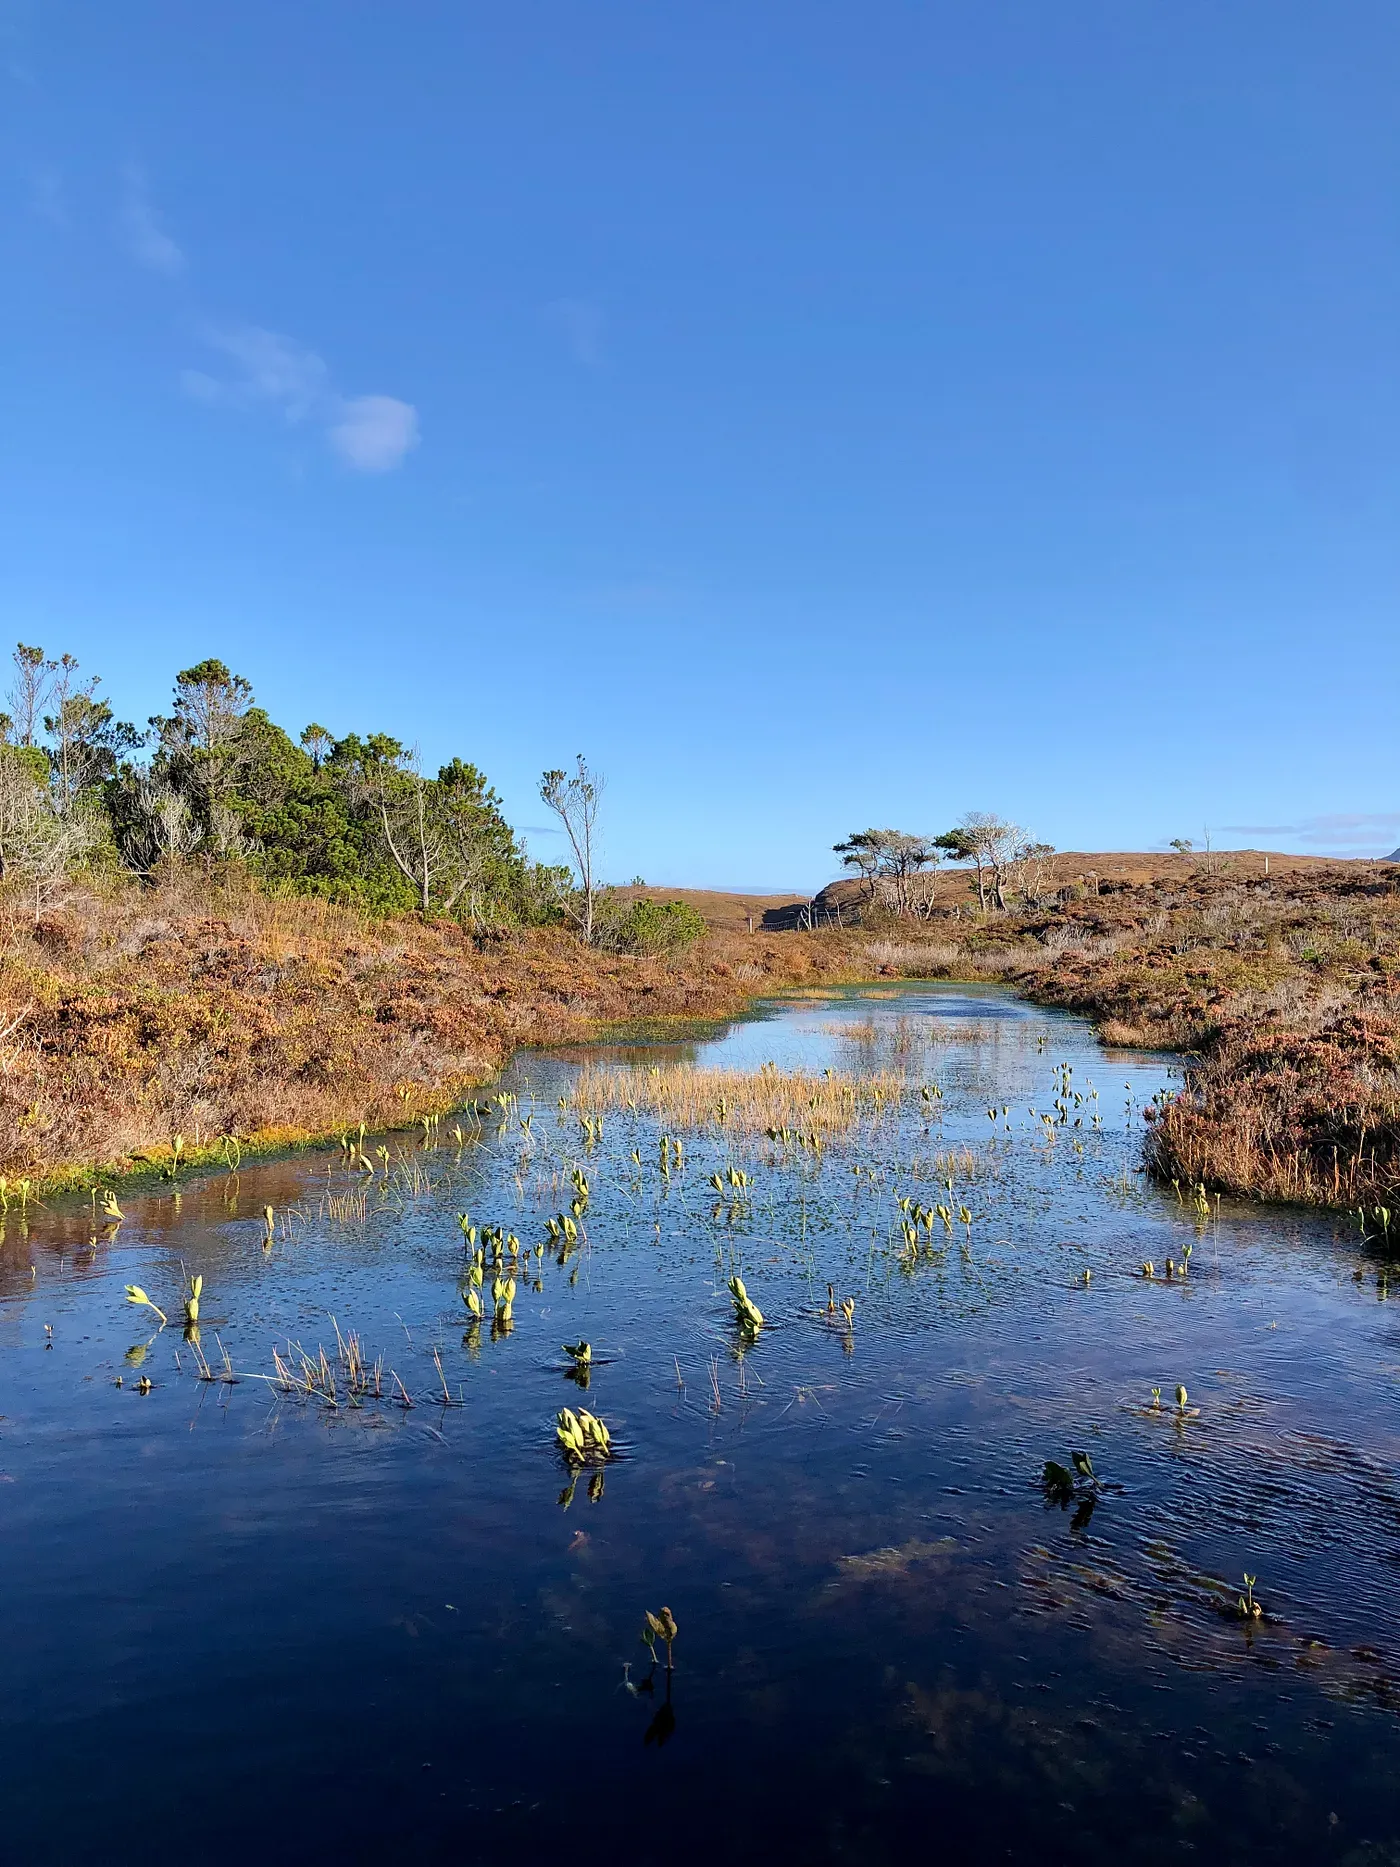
340 1532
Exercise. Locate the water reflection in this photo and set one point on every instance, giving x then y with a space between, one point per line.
893 1619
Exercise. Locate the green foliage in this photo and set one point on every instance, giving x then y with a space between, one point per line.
349 819
957 845
28 761
646 926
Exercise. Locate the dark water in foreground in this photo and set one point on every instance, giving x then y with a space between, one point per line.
243 1622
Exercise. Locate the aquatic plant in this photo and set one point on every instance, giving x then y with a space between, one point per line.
23 1192
503 1296
1057 1481
582 1192
319 1377
579 1353
192 1300
582 1437
344 1207
1249 1608
110 1207
1061 1485
747 1313
660 1627
135 1294
471 1296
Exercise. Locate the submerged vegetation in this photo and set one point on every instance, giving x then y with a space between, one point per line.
776 1501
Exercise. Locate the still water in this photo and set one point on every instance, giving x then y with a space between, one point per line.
237 1618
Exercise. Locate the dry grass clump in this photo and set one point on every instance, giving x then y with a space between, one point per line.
742 1101
1120 1036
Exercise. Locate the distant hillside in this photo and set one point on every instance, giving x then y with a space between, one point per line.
726 913
1101 872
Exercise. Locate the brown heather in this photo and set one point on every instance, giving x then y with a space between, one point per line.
131 1014
1286 992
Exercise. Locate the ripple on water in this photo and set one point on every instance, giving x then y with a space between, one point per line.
887 1629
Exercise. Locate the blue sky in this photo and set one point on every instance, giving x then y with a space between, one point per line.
819 414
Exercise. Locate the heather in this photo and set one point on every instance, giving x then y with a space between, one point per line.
1280 989
208 1008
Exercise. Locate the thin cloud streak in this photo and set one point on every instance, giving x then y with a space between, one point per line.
1341 830
367 433
142 231
271 369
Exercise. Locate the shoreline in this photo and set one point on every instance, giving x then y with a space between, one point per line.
131 1016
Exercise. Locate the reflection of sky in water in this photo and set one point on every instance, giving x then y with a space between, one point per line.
879 1614
980 1042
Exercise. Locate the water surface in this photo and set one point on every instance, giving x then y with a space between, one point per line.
238 1616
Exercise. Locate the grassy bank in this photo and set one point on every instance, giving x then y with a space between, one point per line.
132 1014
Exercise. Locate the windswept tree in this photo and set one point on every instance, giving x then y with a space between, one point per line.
574 798
414 835
889 862
350 819
154 827
200 753
317 744
990 843
1035 868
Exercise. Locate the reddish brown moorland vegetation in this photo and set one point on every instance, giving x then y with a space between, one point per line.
130 1014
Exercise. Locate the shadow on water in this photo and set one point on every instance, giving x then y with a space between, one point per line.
325 1570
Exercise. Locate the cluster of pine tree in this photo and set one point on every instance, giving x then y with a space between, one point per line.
217 781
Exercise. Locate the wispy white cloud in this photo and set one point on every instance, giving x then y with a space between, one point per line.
264 368
1356 830
268 368
375 432
141 229
369 433
580 323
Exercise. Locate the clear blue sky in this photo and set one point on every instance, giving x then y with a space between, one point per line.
819 414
